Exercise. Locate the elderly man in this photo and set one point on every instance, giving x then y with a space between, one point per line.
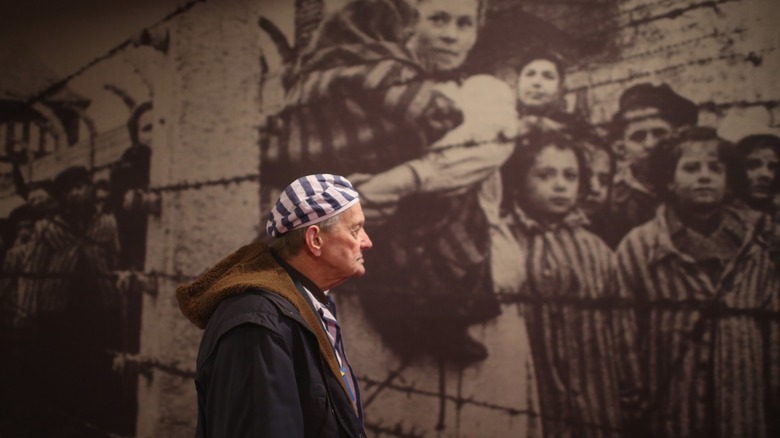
272 361
647 114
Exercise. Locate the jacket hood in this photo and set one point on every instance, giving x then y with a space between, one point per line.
251 266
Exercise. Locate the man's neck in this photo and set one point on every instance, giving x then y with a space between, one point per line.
310 271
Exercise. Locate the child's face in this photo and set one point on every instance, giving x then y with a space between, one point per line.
700 176
538 84
552 183
761 167
600 180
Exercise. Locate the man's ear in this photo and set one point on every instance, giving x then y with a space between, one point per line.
313 238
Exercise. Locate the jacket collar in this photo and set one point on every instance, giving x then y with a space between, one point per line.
662 247
574 219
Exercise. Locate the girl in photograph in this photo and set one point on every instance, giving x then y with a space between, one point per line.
705 297
566 290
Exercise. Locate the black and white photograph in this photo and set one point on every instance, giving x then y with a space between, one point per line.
536 218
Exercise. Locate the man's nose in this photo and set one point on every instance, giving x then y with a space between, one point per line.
366 242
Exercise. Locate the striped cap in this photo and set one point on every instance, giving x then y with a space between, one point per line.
309 200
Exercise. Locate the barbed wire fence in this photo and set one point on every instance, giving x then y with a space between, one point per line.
144 365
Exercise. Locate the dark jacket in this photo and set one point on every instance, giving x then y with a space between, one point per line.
265 367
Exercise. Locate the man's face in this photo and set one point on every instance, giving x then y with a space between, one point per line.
445 33
552 183
761 167
641 135
343 245
600 180
700 176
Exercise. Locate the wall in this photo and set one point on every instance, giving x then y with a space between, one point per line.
213 89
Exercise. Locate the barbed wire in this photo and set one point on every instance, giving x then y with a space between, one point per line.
197 185
670 14
749 57
460 401
144 365
662 49
57 86
619 15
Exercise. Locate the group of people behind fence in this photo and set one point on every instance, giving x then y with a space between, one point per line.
642 253
68 292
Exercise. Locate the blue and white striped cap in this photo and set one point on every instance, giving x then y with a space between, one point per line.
309 200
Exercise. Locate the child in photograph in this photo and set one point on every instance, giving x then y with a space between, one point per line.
566 291
761 155
705 297
595 204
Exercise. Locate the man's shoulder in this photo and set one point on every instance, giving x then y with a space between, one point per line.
255 305
262 309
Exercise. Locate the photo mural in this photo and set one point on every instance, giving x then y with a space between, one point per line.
574 209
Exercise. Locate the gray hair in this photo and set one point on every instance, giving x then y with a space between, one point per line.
292 242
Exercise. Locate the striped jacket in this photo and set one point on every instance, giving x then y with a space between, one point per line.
357 100
566 305
708 350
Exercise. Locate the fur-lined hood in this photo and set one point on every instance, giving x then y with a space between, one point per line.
251 266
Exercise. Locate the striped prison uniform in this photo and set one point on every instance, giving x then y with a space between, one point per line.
707 346
63 259
357 99
566 304
366 109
